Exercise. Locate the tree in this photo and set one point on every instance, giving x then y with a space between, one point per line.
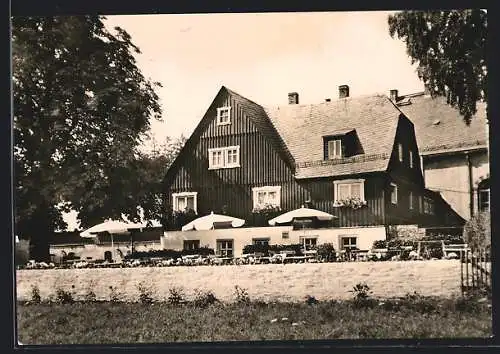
450 49
81 109
477 231
152 167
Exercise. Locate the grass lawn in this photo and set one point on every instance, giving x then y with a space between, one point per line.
108 322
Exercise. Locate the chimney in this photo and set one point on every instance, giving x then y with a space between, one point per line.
293 98
327 100
394 95
343 91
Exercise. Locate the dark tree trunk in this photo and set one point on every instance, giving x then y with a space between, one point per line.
39 232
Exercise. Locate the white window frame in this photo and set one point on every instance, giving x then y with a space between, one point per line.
175 203
223 251
349 182
219 115
332 151
411 159
400 152
308 241
394 188
266 189
350 246
190 242
225 152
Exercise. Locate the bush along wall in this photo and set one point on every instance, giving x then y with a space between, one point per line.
202 251
267 250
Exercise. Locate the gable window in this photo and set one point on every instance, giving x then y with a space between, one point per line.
394 193
266 196
334 149
348 243
225 248
411 159
400 152
225 157
223 115
347 189
184 201
411 200
191 245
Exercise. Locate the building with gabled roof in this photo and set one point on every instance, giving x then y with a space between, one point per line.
355 158
454 155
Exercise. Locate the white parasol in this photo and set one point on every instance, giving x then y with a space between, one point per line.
208 222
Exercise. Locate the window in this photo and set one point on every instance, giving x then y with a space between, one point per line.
225 248
191 244
428 206
348 243
484 200
285 234
411 159
226 157
346 189
334 149
411 200
268 195
400 152
394 193
223 115
184 201
309 242
261 241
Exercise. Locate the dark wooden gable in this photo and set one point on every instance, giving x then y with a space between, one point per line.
405 135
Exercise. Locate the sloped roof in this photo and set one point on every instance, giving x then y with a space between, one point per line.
302 128
438 126
259 117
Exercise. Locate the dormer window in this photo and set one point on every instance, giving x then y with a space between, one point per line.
400 152
411 159
223 115
334 149
341 144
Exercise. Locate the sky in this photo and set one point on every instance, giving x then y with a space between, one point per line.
262 56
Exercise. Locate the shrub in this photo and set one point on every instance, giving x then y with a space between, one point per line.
90 295
477 231
326 252
35 297
176 296
379 244
241 295
21 256
204 299
145 293
361 295
114 294
64 296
